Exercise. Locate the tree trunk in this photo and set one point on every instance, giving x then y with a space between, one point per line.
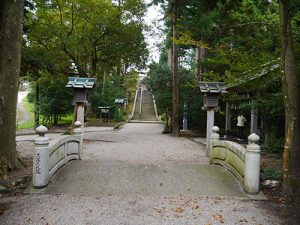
37 104
55 119
175 126
94 62
170 58
105 76
201 54
11 28
291 156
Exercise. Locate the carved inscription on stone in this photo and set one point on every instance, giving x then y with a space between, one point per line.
38 164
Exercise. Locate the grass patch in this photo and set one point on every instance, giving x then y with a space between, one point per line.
67 119
28 106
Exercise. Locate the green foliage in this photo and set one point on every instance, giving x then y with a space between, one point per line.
118 116
83 35
159 80
271 174
89 38
106 95
30 96
273 143
55 98
244 40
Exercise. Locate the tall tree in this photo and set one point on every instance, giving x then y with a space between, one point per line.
11 28
175 125
291 165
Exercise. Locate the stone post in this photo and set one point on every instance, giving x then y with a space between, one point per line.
228 118
79 132
252 165
40 176
210 124
214 137
185 119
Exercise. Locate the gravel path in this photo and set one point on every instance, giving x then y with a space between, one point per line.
22 114
138 210
119 156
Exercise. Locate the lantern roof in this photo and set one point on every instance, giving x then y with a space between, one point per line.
212 87
81 82
120 100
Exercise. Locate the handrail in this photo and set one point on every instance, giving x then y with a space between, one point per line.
155 108
134 103
141 100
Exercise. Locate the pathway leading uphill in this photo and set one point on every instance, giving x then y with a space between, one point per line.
144 106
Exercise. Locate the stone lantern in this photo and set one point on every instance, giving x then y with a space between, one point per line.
121 102
211 92
82 86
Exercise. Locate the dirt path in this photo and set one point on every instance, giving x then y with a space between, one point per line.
23 115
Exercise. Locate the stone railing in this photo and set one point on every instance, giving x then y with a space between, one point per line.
243 162
155 108
134 103
48 157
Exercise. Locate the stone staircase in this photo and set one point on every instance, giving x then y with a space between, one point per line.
147 106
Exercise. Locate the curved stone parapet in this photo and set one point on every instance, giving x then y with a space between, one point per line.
243 162
50 156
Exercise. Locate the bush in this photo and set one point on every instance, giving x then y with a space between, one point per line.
55 99
30 96
270 174
273 143
118 116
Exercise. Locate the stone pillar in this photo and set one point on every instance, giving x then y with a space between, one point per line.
80 113
40 175
209 125
228 118
185 120
252 165
214 137
79 132
254 118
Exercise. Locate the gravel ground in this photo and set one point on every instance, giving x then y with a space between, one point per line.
141 143
137 144
126 210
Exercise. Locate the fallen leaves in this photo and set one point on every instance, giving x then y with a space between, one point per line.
179 210
219 218
2 210
282 200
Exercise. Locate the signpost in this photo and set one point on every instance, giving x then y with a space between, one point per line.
105 110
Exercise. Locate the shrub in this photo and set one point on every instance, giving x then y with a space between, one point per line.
272 142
